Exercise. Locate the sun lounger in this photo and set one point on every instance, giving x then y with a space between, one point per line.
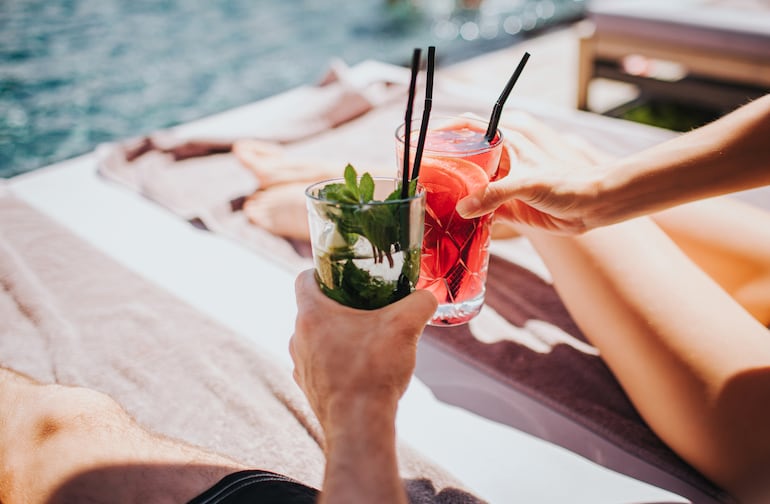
514 389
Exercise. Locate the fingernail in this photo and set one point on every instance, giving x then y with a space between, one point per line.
468 205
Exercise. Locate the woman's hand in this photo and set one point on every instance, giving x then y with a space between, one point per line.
553 181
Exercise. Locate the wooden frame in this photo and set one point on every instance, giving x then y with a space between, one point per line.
734 74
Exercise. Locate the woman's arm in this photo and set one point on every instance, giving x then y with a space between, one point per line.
728 155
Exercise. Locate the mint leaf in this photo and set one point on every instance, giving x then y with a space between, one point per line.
366 188
351 178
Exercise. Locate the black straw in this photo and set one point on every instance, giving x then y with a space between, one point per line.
497 110
425 113
408 123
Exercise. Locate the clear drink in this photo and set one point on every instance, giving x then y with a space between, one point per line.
457 160
366 249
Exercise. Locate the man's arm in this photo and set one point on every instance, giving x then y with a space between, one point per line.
354 366
361 464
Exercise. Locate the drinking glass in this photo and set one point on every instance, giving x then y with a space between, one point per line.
456 161
366 253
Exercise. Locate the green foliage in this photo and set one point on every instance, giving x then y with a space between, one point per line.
384 226
673 116
380 224
355 287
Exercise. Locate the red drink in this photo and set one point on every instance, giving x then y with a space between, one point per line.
456 161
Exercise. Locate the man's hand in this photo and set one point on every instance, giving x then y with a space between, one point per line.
354 366
342 354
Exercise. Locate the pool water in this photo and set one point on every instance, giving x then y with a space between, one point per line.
76 73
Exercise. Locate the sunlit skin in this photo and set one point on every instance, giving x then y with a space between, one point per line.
353 366
694 356
728 155
677 303
688 288
61 444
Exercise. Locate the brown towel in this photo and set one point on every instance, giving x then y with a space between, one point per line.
548 360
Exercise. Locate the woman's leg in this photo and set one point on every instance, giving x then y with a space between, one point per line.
728 239
695 364
70 444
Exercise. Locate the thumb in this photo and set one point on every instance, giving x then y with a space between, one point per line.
415 310
305 286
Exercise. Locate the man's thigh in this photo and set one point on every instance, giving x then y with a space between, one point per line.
70 444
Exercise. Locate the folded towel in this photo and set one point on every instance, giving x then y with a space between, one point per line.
190 169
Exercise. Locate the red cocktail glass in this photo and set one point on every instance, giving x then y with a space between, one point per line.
456 161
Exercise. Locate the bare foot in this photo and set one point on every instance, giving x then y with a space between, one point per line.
280 210
268 163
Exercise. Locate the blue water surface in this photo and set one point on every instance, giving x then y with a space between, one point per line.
76 73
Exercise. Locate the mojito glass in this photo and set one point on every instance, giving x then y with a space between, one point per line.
366 239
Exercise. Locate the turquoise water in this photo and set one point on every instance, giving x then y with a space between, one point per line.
77 73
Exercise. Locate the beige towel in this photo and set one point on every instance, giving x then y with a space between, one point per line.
71 315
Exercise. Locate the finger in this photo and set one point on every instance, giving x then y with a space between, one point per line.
520 213
590 152
535 130
488 199
293 348
310 303
413 312
295 357
304 287
309 295
522 146
504 167
423 306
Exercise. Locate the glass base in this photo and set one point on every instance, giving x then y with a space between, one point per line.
453 314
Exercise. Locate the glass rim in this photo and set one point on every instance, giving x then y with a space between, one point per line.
399 133
419 193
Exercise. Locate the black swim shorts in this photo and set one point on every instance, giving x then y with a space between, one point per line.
263 487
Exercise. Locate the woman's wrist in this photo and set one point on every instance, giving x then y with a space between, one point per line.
626 189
